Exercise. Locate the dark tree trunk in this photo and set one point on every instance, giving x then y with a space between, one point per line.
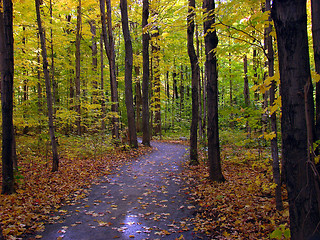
103 104
211 42
181 92
77 79
315 11
109 45
146 74
273 117
194 82
138 99
7 71
290 18
246 91
128 75
113 77
55 160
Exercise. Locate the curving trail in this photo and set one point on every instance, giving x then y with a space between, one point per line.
145 199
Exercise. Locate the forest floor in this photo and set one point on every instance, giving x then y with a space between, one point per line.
154 196
144 199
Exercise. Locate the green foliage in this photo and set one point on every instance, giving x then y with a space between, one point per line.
282 232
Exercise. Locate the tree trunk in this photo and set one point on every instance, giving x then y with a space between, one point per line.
246 92
194 82
211 42
290 18
55 160
315 11
181 92
146 74
103 104
138 99
77 79
7 71
273 117
113 77
128 75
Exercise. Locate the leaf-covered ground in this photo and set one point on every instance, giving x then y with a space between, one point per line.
144 199
41 191
243 207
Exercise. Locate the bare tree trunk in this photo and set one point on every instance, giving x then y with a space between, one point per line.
290 18
55 160
195 83
246 91
77 79
7 71
273 118
315 11
181 92
103 104
211 42
146 74
113 77
138 99
128 74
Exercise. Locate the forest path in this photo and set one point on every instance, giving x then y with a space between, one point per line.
145 199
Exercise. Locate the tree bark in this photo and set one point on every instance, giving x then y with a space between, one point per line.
113 76
128 75
315 13
273 117
77 79
194 82
290 18
246 91
55 156
7 71
138 99
211 42
146 74
103 104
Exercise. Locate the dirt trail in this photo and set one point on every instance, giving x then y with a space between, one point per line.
145 199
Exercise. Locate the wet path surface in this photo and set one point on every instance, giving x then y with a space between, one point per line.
145 199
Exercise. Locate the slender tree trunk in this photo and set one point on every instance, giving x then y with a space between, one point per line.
55 160
195 82
103 104
128 74
315 11
246 92
113 76
181 92
273 117
7 71
77 79
146 74
290 18
211 42
138 99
